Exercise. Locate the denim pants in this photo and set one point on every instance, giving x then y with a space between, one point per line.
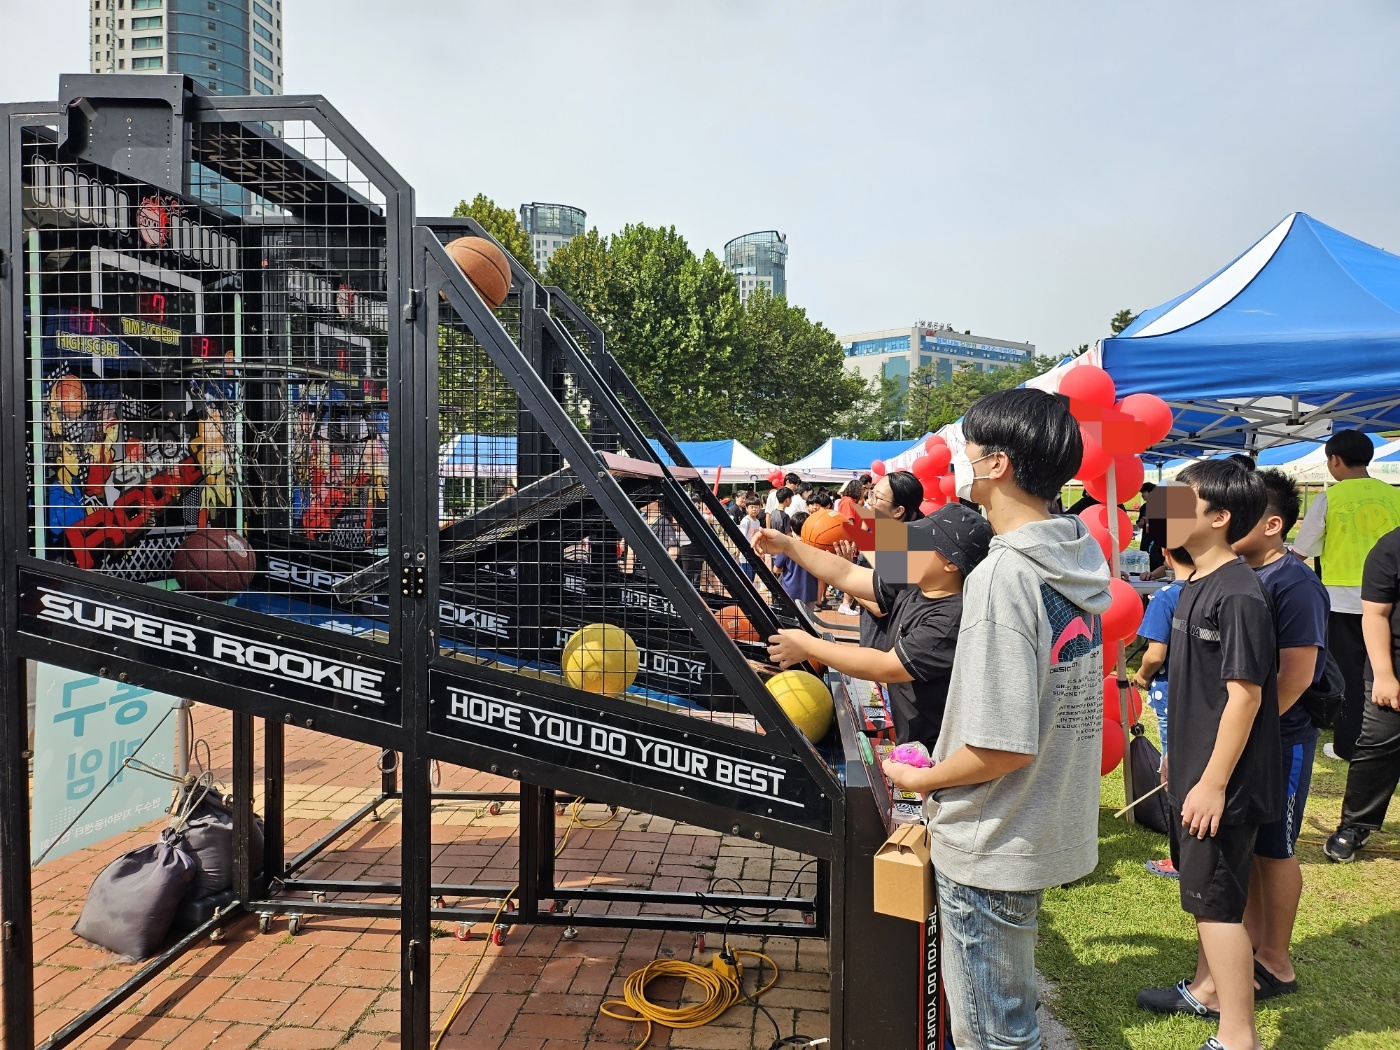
989 966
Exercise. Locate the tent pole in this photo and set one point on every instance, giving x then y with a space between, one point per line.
1120 650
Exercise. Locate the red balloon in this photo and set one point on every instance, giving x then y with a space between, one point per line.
932 489
1124 615
1088 383
1110 701
1131 474
1151 410
877 468
948 485
1097 519
1095 460
1113 746
934 441
928 506
1100 535
940 456
923 468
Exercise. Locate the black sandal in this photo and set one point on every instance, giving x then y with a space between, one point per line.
1175 1000
1269 985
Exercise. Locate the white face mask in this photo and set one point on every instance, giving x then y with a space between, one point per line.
964 475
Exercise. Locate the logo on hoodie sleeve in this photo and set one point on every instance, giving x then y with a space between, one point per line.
1075 632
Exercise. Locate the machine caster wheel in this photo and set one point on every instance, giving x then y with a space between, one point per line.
810 919
612 811
293 925
560 810
463 932
264 922
570 933
318 897
551 907
373 814
439 901
494 809
699 942
215 936
498 935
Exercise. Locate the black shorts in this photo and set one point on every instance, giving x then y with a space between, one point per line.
1214 870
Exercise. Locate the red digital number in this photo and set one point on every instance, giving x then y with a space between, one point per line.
152 305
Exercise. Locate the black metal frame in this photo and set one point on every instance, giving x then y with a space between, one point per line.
804 804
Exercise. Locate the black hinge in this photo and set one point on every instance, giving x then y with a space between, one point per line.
410 306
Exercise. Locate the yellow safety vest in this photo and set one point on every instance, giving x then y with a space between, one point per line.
1359 512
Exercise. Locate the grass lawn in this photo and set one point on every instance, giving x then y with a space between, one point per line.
1120 929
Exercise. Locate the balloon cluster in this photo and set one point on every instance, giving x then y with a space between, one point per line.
775 477
933 468
1115 434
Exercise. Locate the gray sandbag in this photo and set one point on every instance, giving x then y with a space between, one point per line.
204 827
131 903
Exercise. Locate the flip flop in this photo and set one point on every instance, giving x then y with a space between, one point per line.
1269 985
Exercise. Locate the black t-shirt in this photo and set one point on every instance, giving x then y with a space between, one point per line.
1223 630
923 633
1380 583
780 521
1300 606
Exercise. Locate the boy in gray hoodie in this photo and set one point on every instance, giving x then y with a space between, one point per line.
1012 804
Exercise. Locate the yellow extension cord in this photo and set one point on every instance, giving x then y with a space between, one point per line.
721 992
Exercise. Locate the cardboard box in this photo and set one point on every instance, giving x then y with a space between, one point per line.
904 875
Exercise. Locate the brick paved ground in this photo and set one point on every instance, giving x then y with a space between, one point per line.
336 982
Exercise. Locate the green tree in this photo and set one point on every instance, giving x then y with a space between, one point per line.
875 415
947 401
502 224
793 385
669 318
1121 320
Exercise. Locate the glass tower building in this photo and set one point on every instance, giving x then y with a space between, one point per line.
758 259
550 226
230 47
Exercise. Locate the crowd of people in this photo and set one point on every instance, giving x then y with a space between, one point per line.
981 619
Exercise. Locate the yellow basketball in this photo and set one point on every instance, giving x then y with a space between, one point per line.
600 658
806 700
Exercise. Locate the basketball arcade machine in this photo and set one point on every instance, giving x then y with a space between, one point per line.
221 319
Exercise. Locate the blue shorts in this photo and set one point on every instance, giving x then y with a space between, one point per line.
1276 841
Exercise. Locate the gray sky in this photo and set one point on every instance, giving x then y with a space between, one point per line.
1021 169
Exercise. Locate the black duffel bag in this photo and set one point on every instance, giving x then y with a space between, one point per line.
132 901
203 827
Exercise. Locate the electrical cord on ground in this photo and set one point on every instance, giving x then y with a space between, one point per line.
575 821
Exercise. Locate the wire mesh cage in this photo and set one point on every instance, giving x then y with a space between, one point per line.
207 404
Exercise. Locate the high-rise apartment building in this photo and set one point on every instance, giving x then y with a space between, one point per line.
550 226
231 47
758 260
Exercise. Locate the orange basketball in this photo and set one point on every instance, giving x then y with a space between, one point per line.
485 265
737 625
70 396
824 529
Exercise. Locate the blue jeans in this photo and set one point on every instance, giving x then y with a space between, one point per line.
989 966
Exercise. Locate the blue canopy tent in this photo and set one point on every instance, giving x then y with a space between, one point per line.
840 459
1299 334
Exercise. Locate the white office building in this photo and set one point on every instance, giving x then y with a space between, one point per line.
896 352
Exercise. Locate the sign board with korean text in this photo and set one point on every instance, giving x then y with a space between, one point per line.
85 728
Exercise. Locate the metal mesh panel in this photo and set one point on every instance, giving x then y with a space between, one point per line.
208 375
536 576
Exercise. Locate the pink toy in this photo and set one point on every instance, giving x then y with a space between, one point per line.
914 754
